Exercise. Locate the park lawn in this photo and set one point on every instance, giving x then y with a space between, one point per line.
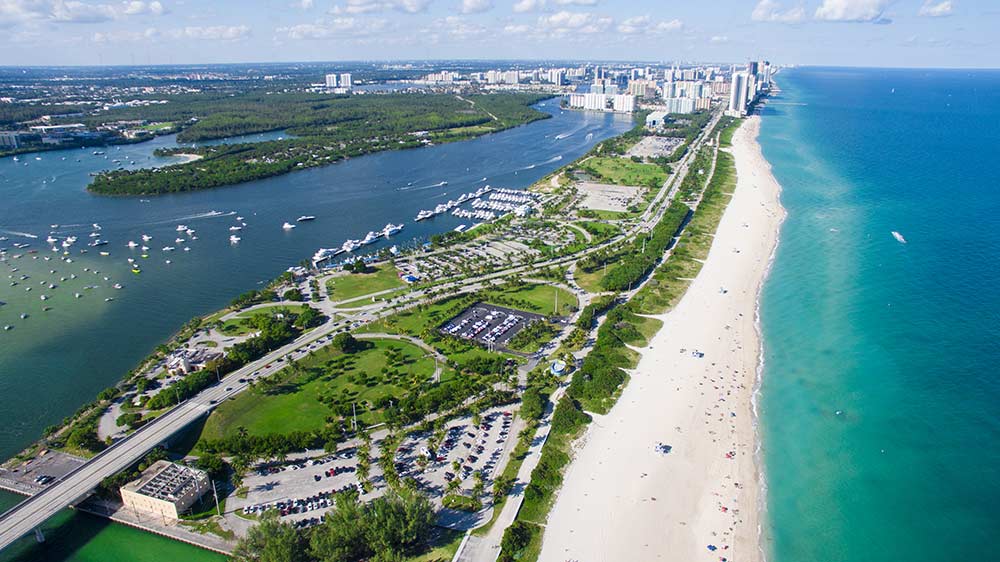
535 297
442 547
590 282
623 171
157 126
295 405
601 214
239 325
647 327
600 230
352 285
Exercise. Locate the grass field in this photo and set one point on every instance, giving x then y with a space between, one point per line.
590 282
302 402
354 285
536 298
442 548
624 171
157 126
239 325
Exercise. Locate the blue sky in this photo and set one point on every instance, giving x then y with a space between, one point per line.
914 33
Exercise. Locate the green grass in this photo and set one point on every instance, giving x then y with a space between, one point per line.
590 282
239 325
442 548
354 285
623 171
461 503
157 126
647 327
534 297
295 405
600 230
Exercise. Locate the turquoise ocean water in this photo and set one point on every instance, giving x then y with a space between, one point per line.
879 406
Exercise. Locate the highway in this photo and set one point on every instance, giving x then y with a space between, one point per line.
74 486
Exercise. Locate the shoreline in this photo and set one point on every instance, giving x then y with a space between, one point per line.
705 499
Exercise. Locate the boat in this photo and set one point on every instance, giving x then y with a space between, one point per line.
51 239
233 239
187 249
42 297
288 226
144 248
168 248
131 244
146 238
394 250
351 245
179 241
235 228
99 153
98 242
109 299
23 315
239 219
391 229
899 237
190 232
370 238
77 295
136 270
117 286
424 215
460 228
105 253
305 218
168 262
8 327
181 228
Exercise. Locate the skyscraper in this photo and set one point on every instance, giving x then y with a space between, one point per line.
331 80
738 95
345 80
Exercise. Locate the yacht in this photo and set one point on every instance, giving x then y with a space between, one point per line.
899 237
351 245
51 239
305 218
132 244
168 248
179 241
239 219
424 215
233 239
146 238
288 226
370 238
181 228
235 228
391 229
117 285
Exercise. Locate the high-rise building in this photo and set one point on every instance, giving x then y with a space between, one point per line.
623 103
738 95
331 80
556 76
345 80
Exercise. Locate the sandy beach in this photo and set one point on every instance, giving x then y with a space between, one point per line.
623 500
187 158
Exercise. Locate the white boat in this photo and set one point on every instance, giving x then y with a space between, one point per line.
370 238
168 262
181 228
168 248
391 229
351 245
105 253
288 226
305 218
132 244
51 239
146 238
117 285
394 250
144 248
233 239
187 249
94 234
424 215
235 228
179 241
109 299
42 297
239 218
899 237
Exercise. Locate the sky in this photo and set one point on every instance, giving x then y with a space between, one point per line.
900 33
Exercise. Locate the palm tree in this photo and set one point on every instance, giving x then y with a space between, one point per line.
453 485
242 432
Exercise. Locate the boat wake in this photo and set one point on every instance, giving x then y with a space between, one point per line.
208 215
420 187
562 136
16 233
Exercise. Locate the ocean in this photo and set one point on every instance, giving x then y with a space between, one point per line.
55 361
879 416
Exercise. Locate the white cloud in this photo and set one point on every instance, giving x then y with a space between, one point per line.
15 12
122 36
476 6
517 29
304 4
576 2
459 28
772 10
719 39
137 7
368 6
639 25
336 28
212 33
938 10
564 22
852 10
522 6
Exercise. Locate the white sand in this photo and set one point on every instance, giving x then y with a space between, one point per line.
622 500
187 158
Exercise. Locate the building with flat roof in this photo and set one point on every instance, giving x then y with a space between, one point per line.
165 489
8 139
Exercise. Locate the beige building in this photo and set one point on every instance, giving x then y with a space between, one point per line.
165 489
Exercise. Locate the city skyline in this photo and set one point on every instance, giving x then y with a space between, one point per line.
903 33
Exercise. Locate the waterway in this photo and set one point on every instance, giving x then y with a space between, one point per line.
54 361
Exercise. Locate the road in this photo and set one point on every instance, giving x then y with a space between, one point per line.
64 492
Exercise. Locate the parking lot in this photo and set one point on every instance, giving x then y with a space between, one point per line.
302 490
488 324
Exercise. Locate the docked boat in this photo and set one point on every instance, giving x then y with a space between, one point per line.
288 226
424 215
305 218
351 245
391 229
370 238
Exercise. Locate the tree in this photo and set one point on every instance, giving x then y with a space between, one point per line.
453 485
212 464
342 534
292 295
515 539
270 541
345 343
